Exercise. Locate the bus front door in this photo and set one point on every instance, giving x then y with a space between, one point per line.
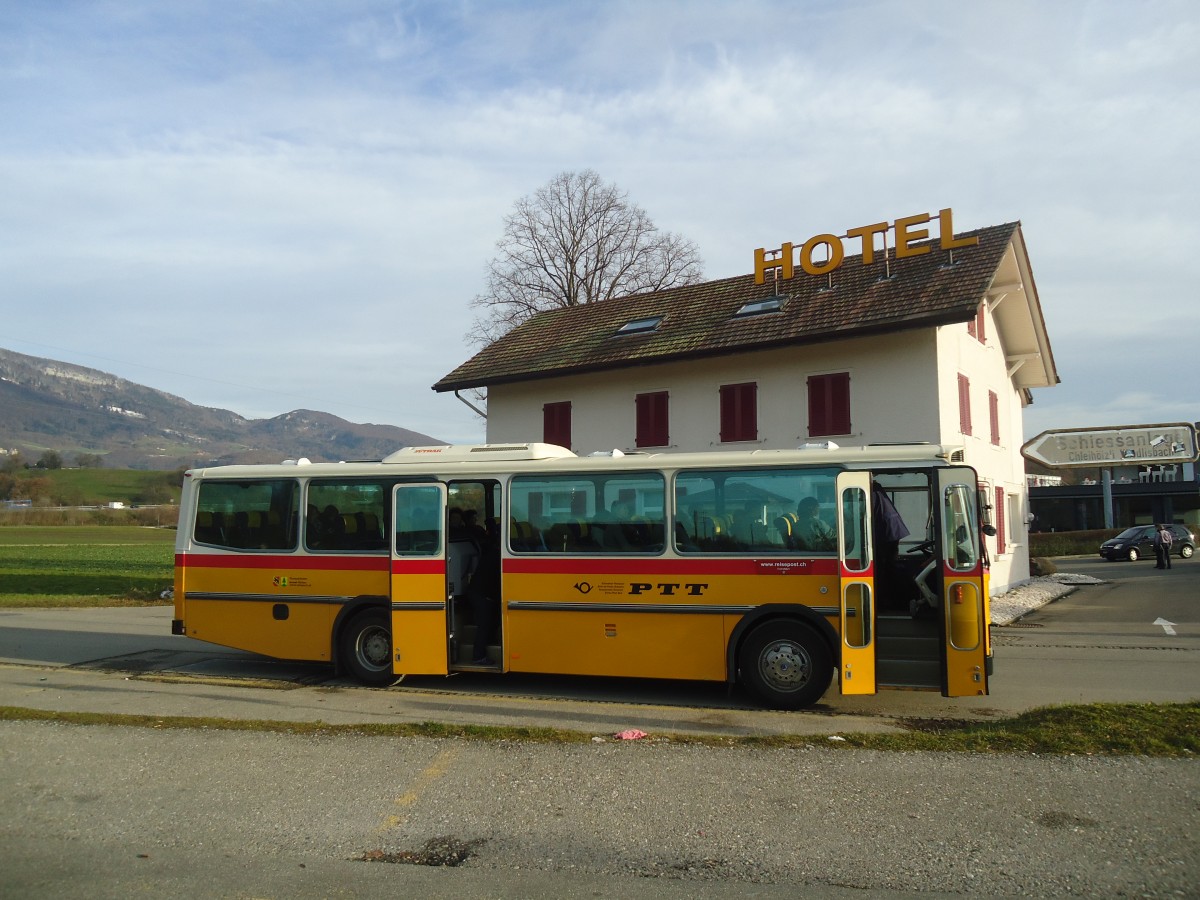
857 606
418 583
963 601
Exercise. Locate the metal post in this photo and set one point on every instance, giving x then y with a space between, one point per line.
1106 481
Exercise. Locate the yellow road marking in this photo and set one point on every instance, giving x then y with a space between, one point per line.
431 773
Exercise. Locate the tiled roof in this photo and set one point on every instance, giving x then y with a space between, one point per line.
698 320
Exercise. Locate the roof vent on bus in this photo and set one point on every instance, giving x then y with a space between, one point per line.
302 461
474 452
819 445
614 453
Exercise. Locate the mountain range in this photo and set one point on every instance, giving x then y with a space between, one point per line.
73 410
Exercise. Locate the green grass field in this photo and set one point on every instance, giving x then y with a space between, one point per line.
96 487
85 566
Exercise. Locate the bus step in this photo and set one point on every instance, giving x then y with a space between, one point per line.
465 653
906 626
925 673
917 648
905 638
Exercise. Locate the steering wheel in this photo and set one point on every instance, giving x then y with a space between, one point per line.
923 547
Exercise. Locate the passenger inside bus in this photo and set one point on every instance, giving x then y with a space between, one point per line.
888 530
483 595
462 554
619 533
812 532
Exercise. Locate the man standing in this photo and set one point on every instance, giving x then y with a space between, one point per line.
1162 547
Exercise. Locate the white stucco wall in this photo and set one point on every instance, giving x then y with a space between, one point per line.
998 465
891 383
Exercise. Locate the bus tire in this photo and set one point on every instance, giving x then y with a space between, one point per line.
785 664
365 647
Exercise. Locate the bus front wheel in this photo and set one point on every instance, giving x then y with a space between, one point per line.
365 647
785 664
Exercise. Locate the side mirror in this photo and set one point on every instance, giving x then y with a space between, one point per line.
989 530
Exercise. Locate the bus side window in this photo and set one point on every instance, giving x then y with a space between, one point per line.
756 510
588 514
344 515
238 514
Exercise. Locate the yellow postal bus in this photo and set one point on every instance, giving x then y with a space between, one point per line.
775 569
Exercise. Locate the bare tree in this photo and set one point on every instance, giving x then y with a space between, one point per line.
576 240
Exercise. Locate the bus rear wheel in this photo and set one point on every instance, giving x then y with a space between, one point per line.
365 647
785 664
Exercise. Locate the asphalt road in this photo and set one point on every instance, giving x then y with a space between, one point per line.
109 811
1134 638
91 812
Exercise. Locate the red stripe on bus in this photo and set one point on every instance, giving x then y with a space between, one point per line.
278 561
435 566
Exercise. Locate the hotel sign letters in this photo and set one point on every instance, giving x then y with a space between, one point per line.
909 232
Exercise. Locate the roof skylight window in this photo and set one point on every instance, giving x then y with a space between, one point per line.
758 307
639 326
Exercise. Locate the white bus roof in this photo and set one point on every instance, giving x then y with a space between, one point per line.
483 459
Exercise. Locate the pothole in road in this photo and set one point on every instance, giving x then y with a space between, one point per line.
438 851
1059 820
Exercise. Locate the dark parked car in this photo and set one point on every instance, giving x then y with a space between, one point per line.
1134 543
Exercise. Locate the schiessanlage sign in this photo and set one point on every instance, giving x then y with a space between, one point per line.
909 232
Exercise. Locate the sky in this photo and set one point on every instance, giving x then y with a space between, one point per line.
268 205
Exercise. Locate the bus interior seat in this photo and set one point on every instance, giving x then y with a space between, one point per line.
207 531
524 536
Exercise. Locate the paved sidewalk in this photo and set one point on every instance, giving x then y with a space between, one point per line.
156 694
125 660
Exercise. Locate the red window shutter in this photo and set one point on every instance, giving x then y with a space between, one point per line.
651 410
739 412
829 404
999 519
964 404
556 423
994 416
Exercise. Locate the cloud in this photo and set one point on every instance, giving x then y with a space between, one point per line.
292 204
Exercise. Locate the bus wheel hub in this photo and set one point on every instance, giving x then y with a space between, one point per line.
784 664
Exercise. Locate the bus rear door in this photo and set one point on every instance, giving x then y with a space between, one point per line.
963 600
418 583
857 606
